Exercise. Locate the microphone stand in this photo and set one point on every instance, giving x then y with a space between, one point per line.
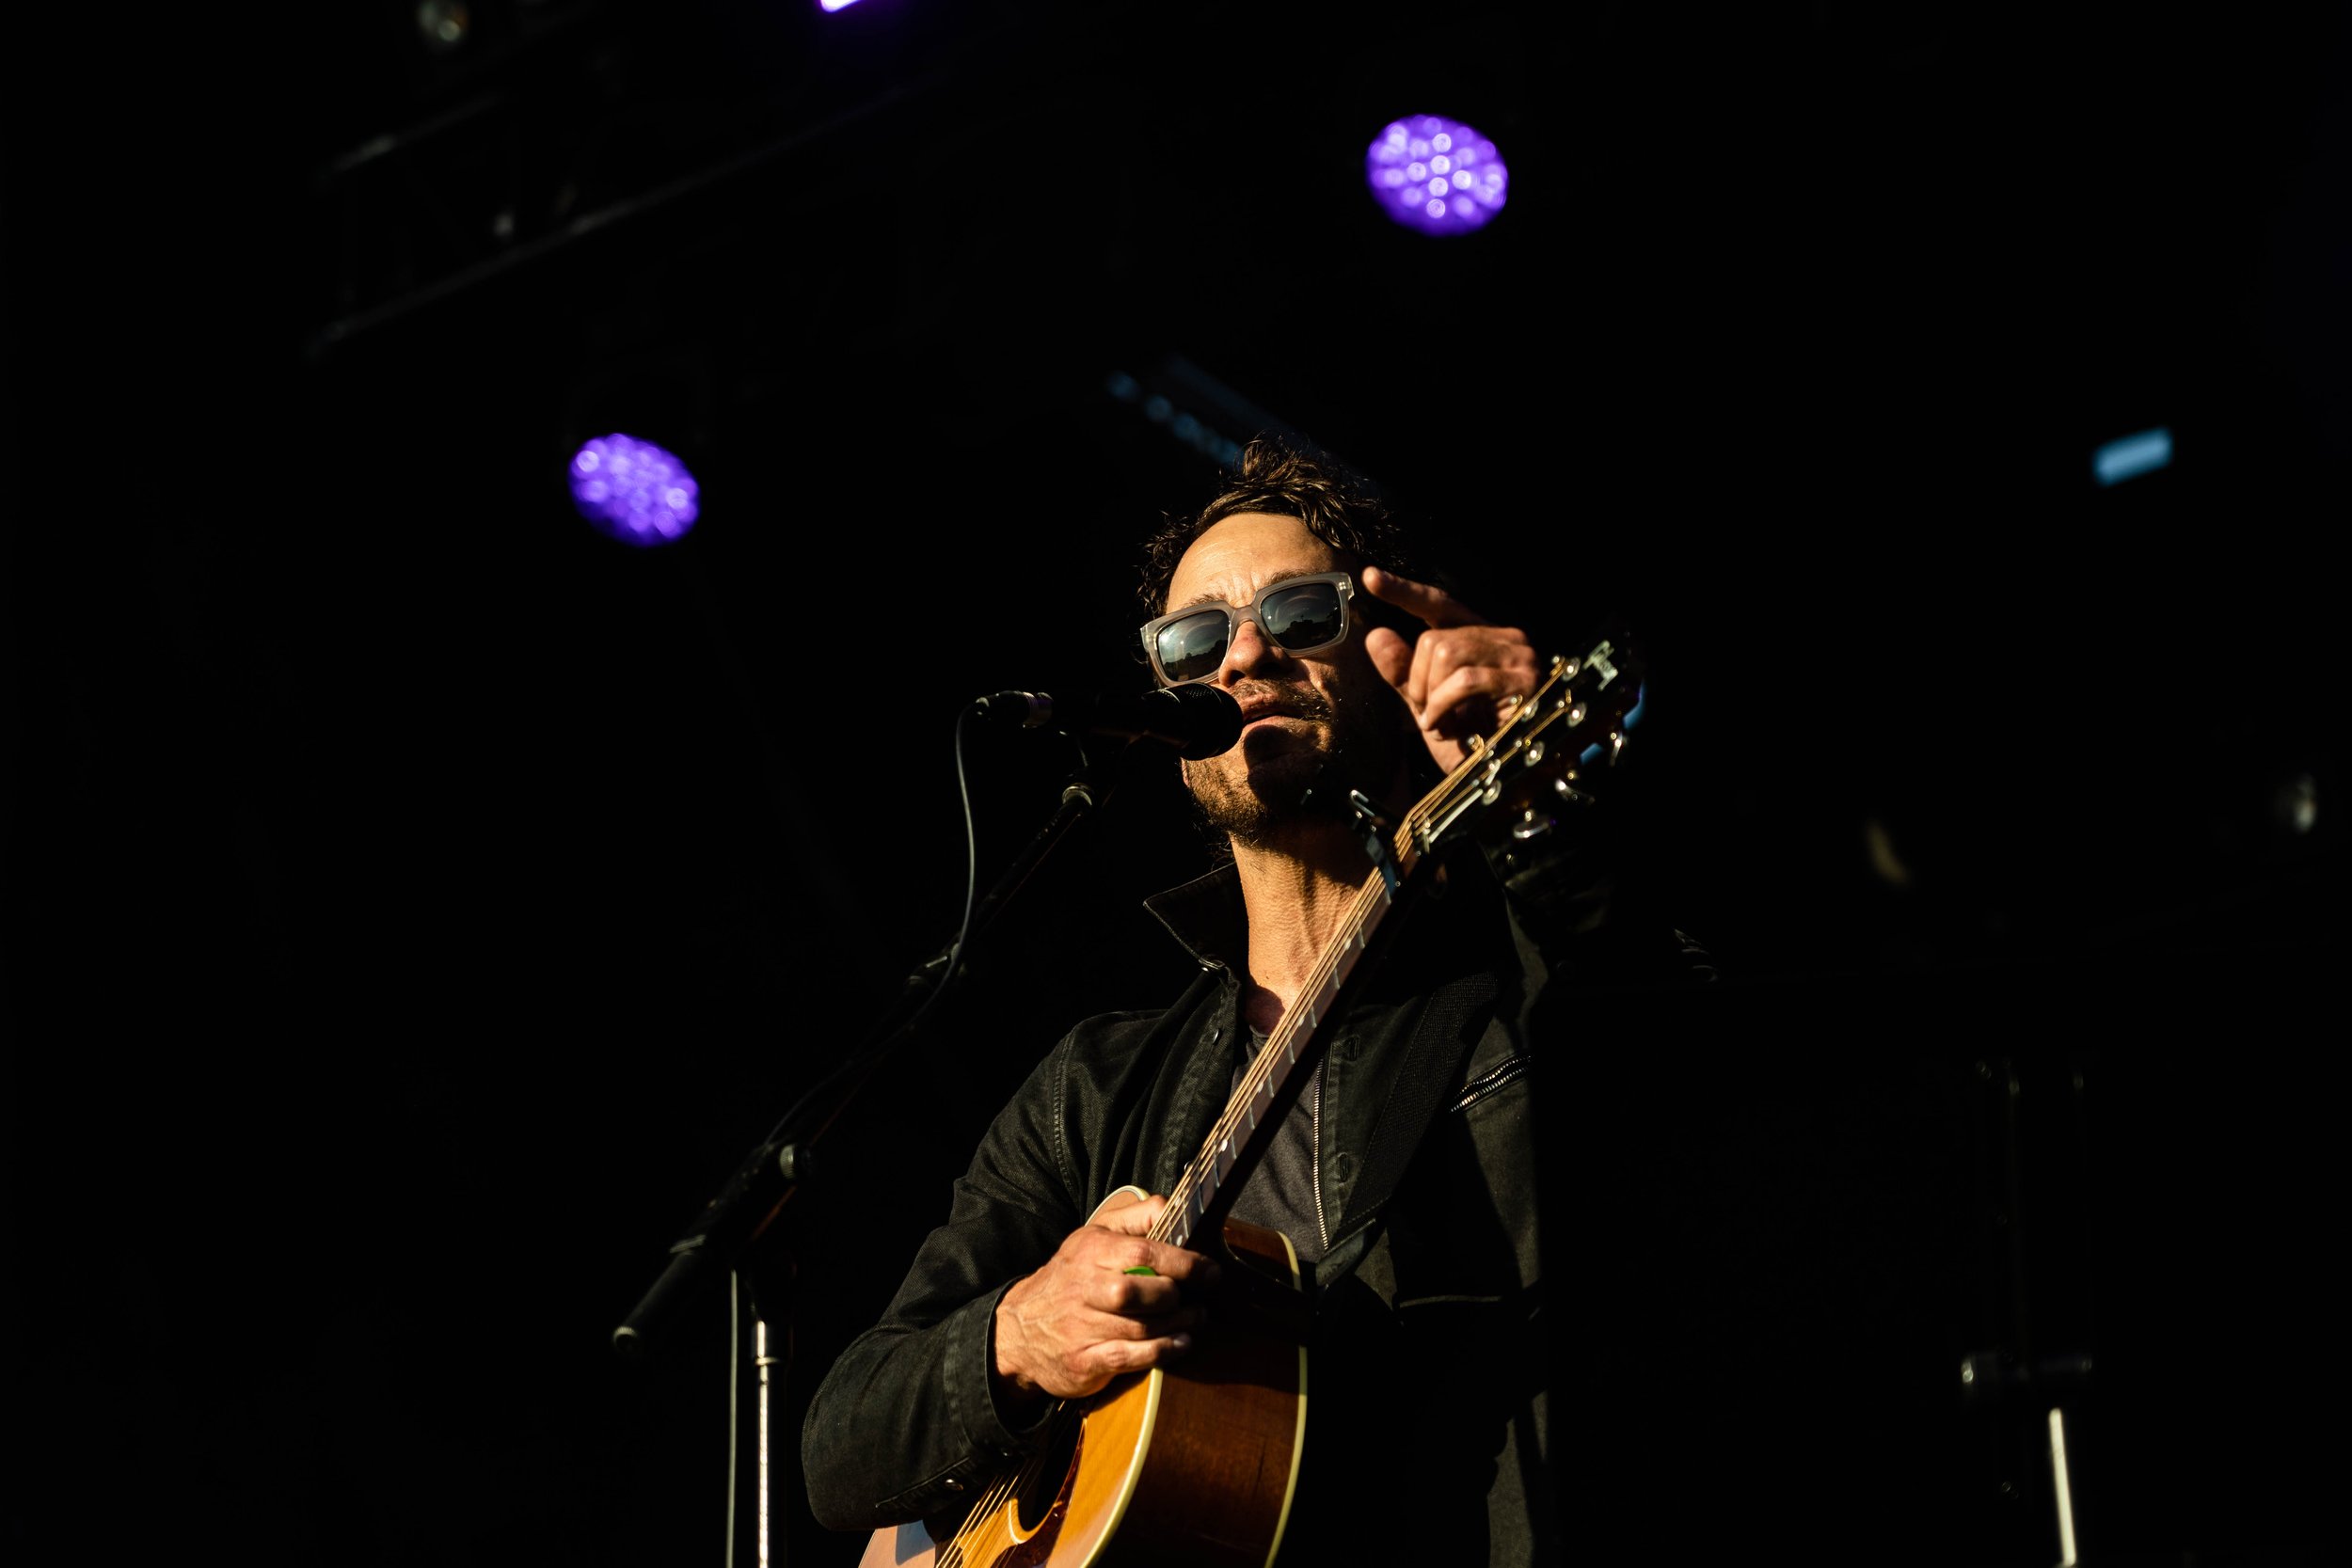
745 1209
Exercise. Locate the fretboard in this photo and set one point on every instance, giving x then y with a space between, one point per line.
1555 716
1294 1043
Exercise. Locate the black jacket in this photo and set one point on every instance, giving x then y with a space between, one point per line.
1427 1364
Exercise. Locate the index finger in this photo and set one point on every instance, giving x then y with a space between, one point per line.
1421 600
1131 1218
1164 1260
1142 1255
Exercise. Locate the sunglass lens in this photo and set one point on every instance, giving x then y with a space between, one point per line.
1192 647
1305 618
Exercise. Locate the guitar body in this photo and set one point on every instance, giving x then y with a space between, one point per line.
1190 1465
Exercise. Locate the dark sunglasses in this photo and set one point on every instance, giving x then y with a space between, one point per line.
1299 615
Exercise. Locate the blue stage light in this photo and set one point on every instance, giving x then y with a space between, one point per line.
2132 455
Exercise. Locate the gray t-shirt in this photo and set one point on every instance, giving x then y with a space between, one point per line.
1281 1195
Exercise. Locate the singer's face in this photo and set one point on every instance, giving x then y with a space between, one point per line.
1296 710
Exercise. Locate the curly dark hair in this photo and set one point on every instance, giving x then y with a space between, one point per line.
1339 505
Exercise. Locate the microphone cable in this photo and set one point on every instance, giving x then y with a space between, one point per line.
870 1054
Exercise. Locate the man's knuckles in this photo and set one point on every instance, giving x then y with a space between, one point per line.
1122 1293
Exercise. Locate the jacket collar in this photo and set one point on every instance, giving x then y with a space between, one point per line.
1209 920
1206 917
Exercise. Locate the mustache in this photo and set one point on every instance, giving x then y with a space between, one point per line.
1294 698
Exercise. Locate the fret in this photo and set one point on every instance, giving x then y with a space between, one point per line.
1187 1219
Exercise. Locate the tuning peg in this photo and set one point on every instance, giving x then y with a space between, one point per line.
1566 789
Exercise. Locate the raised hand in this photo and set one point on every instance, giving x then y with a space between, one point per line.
1109 1301
1459 676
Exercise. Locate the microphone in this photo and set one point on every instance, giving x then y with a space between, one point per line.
1198 720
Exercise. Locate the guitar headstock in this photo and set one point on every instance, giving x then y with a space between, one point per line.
1530 767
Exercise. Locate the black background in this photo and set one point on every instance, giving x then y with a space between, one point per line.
423 903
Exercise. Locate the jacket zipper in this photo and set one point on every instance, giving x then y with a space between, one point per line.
1314 1156
1503 1077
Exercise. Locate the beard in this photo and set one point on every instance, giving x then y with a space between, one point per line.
1257 792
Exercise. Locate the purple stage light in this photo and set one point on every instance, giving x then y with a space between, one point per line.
1436 175
633 490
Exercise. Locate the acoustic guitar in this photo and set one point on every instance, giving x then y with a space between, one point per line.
1193 1465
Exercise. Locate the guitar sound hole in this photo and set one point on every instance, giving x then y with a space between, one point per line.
1042 1493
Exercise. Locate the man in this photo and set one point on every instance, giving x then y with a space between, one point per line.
1403 1172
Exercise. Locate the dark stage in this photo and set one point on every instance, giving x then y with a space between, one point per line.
424 901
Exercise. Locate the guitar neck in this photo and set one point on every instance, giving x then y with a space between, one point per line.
1578 697
1197 1205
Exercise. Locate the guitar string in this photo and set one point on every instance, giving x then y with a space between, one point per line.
989 1501
1405 846
1355 920
1178 1213
952 1554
